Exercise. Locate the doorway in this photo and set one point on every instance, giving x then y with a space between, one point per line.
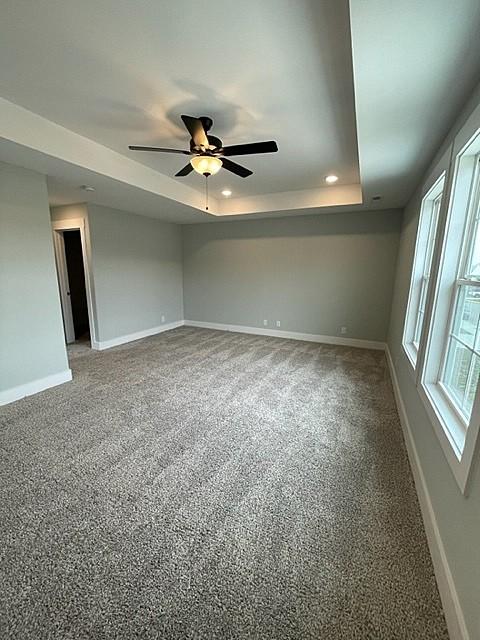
73 280
76 281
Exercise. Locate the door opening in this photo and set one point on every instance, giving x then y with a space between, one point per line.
76 280
73 281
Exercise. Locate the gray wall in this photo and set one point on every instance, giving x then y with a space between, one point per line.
32 344
313 273
458 517
69 211
137 271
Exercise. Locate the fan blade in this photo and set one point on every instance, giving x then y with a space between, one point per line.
185 171
253 147
196 130
137 148
236 168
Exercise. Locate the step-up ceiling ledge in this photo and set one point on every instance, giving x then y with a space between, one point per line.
50 148
334 196
31 131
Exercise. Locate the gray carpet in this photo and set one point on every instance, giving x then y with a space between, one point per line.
202 484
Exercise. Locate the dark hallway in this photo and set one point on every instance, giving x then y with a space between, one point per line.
76 279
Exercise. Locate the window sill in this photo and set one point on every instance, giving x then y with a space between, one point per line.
449 428
451 423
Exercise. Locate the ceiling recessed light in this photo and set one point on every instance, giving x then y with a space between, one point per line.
331 179
85 187
227 193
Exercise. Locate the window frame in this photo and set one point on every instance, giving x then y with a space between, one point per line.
434 190
457 438
468 240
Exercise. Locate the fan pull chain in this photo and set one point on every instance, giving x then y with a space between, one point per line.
206 192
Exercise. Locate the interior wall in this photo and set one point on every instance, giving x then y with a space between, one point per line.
457 516
69 212
32 342
137 272
314 274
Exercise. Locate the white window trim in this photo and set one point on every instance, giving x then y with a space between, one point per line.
430 246
437 407
436 182
458 442
461 281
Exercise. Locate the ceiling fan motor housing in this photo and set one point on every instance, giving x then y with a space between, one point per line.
214 142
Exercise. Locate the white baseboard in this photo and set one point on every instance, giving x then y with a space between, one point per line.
451 605
131 337
292 335
28 389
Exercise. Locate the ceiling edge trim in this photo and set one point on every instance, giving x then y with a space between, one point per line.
334 196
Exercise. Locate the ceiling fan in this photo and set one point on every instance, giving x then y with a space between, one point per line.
208 153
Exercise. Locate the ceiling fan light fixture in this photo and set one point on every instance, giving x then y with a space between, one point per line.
206 165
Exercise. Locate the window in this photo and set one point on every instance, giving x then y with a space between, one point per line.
427 230
449 346
461 365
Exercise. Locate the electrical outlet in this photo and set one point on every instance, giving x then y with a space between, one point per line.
265 323
163 318
278 323
343 330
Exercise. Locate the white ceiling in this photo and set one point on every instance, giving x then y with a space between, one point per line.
415 63
119 72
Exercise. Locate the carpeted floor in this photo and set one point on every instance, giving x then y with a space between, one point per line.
202 484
